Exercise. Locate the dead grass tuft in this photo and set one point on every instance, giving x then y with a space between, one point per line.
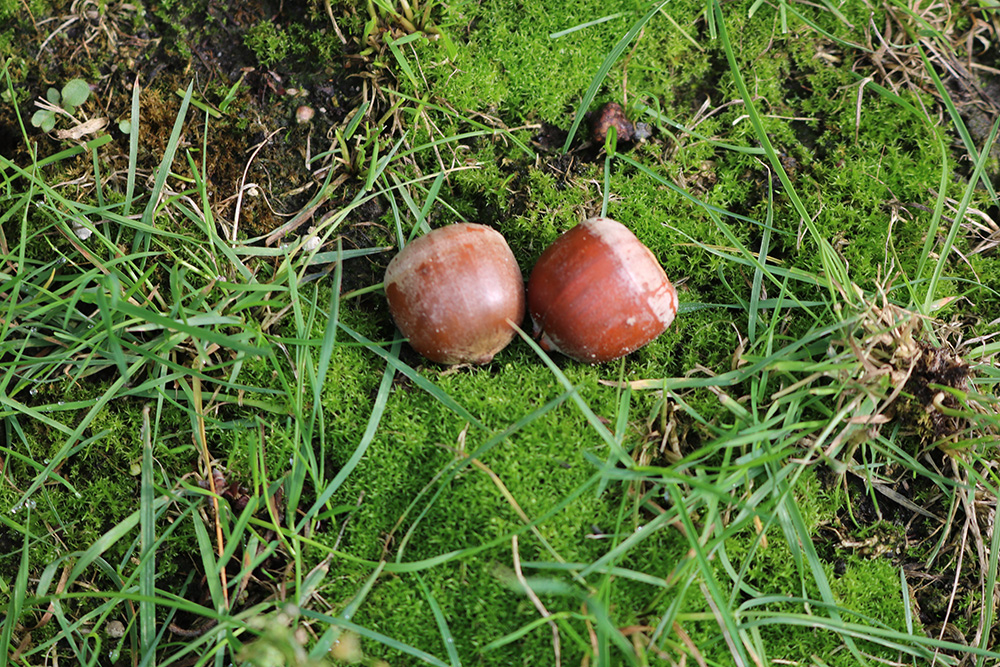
956 38
919 375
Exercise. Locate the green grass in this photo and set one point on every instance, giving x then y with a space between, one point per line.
799 470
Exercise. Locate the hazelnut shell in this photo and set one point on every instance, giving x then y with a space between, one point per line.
610 115
452 291
597 293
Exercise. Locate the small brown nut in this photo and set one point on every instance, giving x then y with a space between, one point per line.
612 115
597 293
454 291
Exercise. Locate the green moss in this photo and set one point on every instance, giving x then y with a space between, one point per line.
270 43
540 76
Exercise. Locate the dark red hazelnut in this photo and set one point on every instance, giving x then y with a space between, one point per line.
597 293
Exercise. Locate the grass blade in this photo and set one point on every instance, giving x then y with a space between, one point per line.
18 595
147 540
449 641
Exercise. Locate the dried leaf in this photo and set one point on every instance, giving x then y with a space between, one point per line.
83 129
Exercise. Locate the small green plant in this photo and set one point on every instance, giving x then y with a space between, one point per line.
409 16
270 43
73 94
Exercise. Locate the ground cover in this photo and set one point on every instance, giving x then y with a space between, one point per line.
216 448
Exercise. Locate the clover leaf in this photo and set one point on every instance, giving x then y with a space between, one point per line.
73 94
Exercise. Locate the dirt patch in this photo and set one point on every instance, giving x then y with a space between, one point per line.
261 157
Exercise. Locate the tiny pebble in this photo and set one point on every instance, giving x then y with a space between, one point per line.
114 629
82 233
304 114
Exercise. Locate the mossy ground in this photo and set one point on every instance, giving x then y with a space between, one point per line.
512 76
